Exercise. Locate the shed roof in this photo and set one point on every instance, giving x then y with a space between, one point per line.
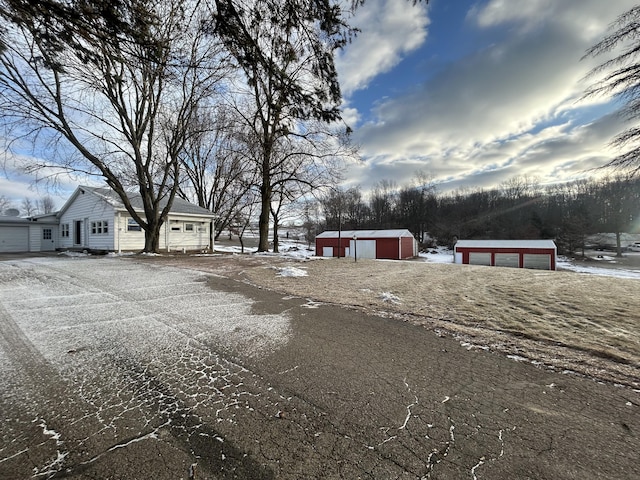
391 233
505 244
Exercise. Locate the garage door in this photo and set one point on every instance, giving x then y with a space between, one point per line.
327 251
507 260
478 258
537 261
362 248
14 239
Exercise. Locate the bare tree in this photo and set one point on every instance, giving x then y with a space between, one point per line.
46 204
5 204
291 80
27 206
620 77
219 177
120 110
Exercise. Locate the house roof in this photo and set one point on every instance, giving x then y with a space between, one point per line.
179 205
505 244
391 233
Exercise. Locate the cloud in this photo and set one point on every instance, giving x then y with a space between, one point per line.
513 107
389 30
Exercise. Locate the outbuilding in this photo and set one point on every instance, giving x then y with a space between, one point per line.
538 254
395 244
35 234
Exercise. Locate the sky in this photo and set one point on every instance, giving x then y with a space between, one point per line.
469 92
475 92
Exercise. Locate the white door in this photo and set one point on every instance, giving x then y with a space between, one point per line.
362 248
537 261
479 258
14 239
327 251
507 260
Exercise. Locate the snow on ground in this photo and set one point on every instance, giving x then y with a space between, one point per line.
286 249
291 272
563 263
445 255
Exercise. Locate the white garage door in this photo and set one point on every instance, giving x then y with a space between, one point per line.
538 261
327 251
362 248
14 239
479 258
507 260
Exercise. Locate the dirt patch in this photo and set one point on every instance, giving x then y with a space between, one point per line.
578 322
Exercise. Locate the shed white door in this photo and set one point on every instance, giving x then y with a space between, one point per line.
537 260
14 239
507 260
479 258
362 248
327 251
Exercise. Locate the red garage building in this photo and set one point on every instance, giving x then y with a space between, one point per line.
539 254
391 244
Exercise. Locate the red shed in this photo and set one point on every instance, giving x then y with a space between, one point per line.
392 244
540 254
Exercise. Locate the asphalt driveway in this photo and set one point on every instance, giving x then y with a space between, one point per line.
114 368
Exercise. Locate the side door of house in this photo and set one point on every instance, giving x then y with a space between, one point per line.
77 232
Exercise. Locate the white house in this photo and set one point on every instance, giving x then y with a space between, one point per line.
96 219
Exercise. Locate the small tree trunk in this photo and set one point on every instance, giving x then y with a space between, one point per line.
276 242
263 223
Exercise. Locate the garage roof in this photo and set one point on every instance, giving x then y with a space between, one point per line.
392 233
505 244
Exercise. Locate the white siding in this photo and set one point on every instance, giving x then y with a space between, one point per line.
87 208
125 239
175 236
37 242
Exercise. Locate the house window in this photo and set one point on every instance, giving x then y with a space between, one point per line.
175 226
46 233
64 230
188 227
133 226
100 227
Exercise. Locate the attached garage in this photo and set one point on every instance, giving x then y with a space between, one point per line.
537 254
395 244
35 234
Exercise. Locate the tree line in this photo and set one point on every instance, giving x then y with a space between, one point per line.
519 208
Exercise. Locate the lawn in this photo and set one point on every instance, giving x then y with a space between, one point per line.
581 322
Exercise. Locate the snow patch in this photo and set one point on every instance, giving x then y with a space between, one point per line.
389 297
291 272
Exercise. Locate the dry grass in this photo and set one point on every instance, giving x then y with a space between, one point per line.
583 322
